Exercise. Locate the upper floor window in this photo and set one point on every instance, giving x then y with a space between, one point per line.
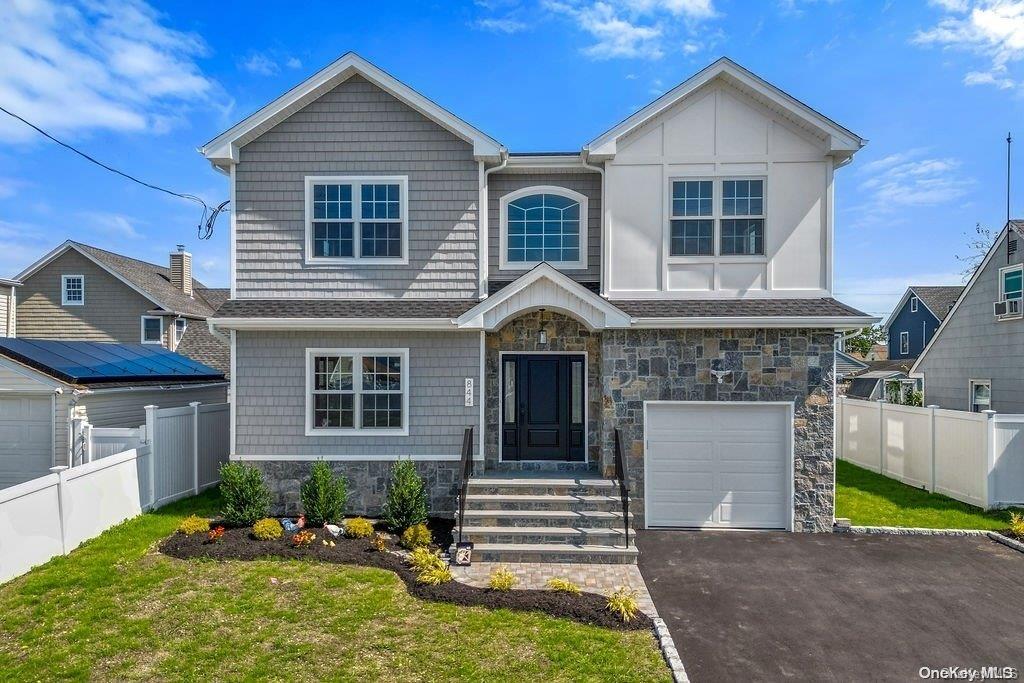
152 329
357 219
543 224
734 206
72 290
1011 280
179 329
913 304
904 342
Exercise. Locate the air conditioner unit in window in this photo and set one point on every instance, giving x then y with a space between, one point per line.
999 308
1003 309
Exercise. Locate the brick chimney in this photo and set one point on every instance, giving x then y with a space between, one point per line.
181 270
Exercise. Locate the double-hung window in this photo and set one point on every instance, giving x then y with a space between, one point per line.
980 395
357 391
179 329
692 222
1011 289
913 304
742 217
357 219
904 343
152 329
72 290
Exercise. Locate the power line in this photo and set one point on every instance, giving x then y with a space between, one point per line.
209 217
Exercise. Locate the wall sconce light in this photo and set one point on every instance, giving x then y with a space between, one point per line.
542 338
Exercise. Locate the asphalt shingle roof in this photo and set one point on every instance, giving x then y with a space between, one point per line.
938 299
727 308
200 345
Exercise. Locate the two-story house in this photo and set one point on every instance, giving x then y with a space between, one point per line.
397 275
973 361
81 292
916 318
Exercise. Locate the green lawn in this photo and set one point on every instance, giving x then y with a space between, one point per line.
869 499
115 609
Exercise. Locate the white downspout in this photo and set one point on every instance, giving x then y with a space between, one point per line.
485 210
584 156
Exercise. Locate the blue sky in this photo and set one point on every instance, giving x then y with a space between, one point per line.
934 87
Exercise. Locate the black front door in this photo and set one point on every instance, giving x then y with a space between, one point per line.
543 413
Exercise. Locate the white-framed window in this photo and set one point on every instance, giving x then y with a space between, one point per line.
904 342
692 223
544 223
980 395
357 391
72 290
1011 290
152 329
180 324
913 304
742 217
357 219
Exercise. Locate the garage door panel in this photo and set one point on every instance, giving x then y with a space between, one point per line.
25 437
717 465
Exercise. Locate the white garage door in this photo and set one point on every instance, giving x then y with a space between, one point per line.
720 465
25 433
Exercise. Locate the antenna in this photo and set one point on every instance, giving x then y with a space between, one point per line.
1009 228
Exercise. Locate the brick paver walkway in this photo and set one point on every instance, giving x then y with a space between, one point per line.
593 578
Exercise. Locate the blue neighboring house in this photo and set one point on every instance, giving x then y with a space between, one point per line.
916 317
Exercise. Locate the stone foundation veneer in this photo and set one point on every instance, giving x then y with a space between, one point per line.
767 365
367 484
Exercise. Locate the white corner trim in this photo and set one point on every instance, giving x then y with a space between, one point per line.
584 227
357 181
357 392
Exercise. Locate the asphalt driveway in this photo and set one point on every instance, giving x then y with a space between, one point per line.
772 605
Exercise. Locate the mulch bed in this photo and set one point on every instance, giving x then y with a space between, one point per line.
238 544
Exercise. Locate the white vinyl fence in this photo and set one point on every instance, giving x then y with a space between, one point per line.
977 458
177 453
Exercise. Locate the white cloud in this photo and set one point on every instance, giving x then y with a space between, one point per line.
635 29
9 187
260 64
293 63
114 224
95 64
993 29
23 243
506 25
909 179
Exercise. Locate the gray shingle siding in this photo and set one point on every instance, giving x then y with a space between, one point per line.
588 184
357 129
271 402
974 345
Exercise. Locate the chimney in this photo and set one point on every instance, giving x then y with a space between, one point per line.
181 270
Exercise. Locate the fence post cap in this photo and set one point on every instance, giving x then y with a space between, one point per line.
990 413
195 403
58 468
932 405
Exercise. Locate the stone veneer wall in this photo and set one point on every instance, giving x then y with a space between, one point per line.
367 484
521 335
767 365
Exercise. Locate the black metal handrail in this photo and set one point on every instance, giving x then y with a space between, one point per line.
622 472
466 470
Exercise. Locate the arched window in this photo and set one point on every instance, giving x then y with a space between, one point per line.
544 224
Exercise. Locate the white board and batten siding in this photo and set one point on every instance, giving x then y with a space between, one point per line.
718 464
719 133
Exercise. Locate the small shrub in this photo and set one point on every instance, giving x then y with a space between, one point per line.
423 559
359 527
1017 524
303 538
215 535
502 580
416 536
379 542
564 586
323 495
193 524
623 603
267 529
406 503
246 497
435 576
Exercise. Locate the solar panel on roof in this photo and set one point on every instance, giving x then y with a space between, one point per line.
81 362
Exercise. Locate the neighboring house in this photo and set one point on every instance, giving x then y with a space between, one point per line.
8 307
973 361
847 365
672 279
44 384
916 317
869 382
81 292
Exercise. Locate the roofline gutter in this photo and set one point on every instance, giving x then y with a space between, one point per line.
172 386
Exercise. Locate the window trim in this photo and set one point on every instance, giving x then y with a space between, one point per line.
717 194
177 337
357 402
913 304
1002 291
711 217
971 384
64 290
904 342
357 209
581 264
142 329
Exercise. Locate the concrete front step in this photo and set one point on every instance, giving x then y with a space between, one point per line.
542 486
544 534
486 501
552 518
556 552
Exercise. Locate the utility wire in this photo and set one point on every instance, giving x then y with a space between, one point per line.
206 222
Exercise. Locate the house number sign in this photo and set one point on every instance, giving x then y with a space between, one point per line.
469 392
